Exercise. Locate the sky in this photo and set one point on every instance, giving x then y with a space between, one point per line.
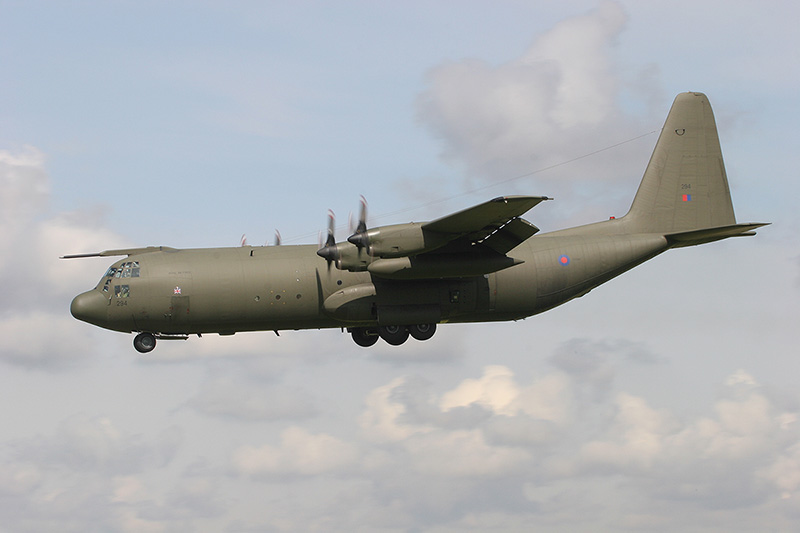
665 400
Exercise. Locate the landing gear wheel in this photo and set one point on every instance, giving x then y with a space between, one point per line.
422 332
363 337
394 335
144 342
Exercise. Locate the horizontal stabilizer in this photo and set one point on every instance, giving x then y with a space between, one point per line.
703 236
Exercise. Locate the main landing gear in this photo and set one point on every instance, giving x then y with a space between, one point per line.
394 335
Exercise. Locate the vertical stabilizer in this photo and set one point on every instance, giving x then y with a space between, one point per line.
685 187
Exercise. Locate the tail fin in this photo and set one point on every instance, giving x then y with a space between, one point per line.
685 187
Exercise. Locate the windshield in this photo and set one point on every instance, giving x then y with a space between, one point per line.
128 269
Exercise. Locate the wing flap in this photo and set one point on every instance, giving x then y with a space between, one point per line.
489 215
510 236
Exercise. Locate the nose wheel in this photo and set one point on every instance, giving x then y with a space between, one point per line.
144 342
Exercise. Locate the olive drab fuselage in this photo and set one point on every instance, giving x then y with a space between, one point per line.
225 290
484 263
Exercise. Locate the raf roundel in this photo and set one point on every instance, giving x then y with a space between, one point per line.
563 260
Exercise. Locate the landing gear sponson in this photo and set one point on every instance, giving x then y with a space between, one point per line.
394 335
145 342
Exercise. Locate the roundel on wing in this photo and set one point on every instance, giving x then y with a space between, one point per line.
563 260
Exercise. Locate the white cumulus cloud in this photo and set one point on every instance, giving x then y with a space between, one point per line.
37 329
556 101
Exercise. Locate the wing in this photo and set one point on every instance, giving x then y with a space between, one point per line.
471 242
126 251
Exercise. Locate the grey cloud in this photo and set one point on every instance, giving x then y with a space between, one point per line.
234 396
83 444
593 362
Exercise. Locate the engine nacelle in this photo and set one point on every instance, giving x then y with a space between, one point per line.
402 240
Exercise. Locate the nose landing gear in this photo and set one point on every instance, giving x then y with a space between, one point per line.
144 342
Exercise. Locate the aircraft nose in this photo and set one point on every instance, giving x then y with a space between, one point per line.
91 307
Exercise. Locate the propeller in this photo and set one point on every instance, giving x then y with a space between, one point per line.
244 240
277 238
330 252
360 237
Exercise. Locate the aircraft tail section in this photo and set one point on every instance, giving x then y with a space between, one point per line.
685 187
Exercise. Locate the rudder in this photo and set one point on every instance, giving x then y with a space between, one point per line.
685 186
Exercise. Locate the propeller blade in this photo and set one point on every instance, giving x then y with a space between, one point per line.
329 252
244 240
277 238
360 237
331 226
362 216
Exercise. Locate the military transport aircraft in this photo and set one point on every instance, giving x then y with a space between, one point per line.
481 264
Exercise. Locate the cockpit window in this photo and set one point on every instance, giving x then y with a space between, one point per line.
129 269
125 270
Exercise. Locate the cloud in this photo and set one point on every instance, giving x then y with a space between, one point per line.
556 101
87 470
300 453
19 479
25 186
718 460
231 395
37 330
743 451
82 444
42 340
381 421
546 399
